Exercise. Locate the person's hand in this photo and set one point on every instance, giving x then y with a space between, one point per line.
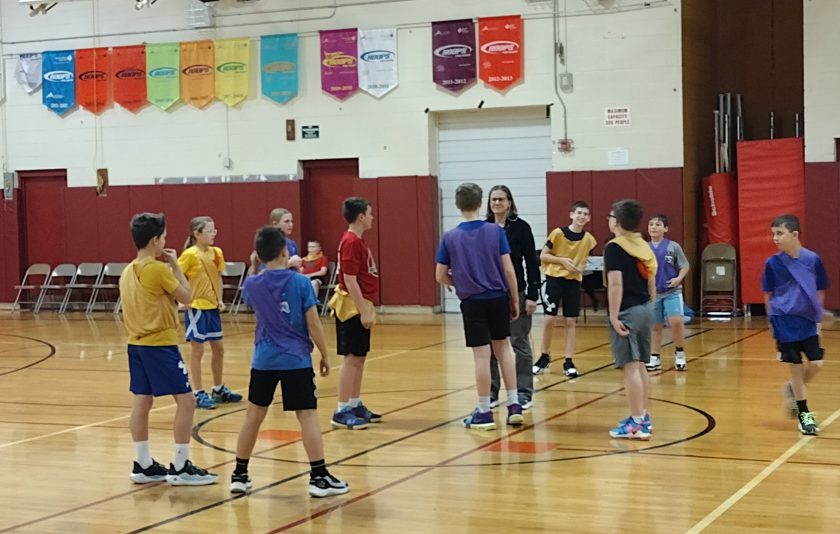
514 309
570 266
295 262
221 306
324 365
673 282
367 318
619 327
168 255
530 307
255 262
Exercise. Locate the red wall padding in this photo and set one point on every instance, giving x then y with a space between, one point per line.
771 182
720 203
822 218
658 190
97 228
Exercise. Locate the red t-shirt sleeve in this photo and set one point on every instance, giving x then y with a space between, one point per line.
322 262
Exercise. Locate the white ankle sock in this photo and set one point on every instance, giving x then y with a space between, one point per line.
355 401
512 397
182 454
144 455
484 404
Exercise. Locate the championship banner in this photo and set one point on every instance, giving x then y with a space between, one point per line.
453 54
500 50
28 72
59 85
163 80
197 80
279 66
233 59
377 61
339 76
93 69
128 72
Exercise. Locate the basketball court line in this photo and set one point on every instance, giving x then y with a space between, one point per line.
756 480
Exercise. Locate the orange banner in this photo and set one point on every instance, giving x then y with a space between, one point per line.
128 67
500 50
197 80
93 68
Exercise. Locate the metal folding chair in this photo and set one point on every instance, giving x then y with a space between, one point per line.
232 277
36 270
108 282
87 276
58 280
329 287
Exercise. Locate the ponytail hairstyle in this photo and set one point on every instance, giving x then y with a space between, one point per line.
197 224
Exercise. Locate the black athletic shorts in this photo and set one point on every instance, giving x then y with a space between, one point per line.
485 320
791 352
296 385
561 291
352 338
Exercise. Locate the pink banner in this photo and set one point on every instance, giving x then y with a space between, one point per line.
339 75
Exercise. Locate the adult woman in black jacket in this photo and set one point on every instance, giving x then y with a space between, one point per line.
501 209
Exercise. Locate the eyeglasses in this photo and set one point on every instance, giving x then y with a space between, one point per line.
610 216
208 231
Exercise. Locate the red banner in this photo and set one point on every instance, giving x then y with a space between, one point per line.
93 68
500 50
128 65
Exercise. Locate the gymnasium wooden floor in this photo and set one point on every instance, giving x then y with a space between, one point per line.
723 457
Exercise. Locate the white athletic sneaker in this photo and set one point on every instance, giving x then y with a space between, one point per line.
654 364
679 360
328 485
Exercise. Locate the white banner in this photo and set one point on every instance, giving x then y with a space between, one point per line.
28 72
377 61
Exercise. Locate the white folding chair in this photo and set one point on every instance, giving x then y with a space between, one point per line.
58 280
87 276
232 277
109 282
41 271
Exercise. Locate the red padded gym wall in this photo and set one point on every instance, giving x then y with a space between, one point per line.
770 183
80 233
10 269
822 218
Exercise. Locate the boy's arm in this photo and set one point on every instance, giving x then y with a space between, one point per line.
442 275
316 332
510 277
615 288
181 293
352 285
547 257
681 260
652 288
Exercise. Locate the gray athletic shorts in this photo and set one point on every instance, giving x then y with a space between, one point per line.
636 346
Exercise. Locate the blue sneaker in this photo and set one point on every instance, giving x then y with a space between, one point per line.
514 417
629 429
346 419
361 411
647 422
225 395
203 400
480 420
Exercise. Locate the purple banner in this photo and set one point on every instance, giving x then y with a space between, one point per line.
453 54
339 74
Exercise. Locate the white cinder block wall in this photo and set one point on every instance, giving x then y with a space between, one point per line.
822 78
625 54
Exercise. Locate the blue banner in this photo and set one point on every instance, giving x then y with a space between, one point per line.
58 91
279 66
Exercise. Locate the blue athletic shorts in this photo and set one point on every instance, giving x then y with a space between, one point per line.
157 371
670 305
203 325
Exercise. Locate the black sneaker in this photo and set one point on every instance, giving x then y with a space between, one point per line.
808 424
190 475
569 368
543 363
326 486
154 473
240 483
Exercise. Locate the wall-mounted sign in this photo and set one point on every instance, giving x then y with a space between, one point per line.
310 132
617 116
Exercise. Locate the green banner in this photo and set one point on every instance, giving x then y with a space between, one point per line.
163 77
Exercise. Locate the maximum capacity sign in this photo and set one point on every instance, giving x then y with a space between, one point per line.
617 116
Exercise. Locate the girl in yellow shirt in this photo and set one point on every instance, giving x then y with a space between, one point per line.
202 264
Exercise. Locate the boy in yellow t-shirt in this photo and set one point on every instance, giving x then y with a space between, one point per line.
203 264
149 287
563 258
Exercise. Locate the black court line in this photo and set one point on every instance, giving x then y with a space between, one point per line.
32 364
709 427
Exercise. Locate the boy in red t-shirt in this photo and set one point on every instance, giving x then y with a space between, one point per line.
315 265
352 305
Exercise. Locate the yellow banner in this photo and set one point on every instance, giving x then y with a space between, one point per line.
233 61
197 63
